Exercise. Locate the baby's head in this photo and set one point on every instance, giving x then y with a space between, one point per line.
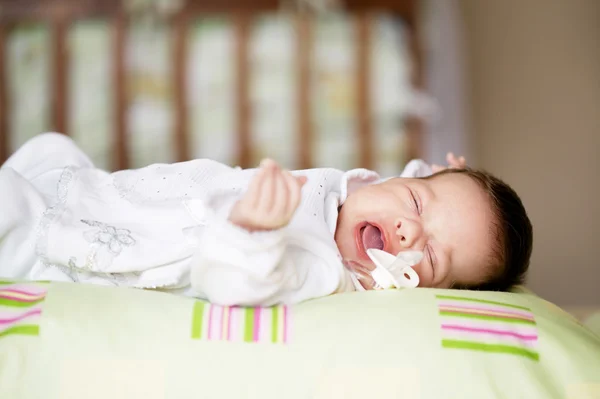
472 228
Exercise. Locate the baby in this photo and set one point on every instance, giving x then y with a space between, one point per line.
256 236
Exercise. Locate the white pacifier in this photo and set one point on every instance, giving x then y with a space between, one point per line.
395 271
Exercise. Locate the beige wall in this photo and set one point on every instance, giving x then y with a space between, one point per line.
534 72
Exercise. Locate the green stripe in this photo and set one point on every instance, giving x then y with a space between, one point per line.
487 317
493 348
462 298
25 329
18 304
9 282
249 325
274 323
197 317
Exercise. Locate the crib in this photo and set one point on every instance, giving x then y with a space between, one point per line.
59 17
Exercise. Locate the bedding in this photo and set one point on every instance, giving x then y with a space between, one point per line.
593 322
62 340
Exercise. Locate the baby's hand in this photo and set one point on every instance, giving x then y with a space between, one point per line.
271 200
453 163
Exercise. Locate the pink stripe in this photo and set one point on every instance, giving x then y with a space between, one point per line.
21 316
222 333
488 309
29 288
512 315
210 321
256 324
285 324
230 313
22 292
31 320
489 331
499 325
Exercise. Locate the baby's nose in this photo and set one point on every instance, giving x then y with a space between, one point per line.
399 232
407 232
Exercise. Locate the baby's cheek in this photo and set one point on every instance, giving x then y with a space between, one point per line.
425 275
341 240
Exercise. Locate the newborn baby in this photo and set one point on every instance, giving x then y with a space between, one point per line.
256 236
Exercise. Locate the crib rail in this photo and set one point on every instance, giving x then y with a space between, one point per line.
60 14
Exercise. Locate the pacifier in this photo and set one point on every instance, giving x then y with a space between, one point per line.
394 271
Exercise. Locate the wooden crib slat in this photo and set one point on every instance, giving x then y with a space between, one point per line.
4 106
414 126
232 6
242 34
60 65
121 155
180 34
305 131
363 100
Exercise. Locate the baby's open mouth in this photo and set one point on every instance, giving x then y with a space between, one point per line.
371 237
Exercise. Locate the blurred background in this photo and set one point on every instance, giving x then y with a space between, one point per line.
533 75
513 85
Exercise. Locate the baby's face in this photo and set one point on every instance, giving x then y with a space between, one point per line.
448 217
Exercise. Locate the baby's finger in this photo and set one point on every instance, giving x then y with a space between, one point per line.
436 168
295 193
301 180
252 195
266 196
281 194
450 158
458 163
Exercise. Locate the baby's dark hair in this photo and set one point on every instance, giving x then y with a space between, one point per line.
512 230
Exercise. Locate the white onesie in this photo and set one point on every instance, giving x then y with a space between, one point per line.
165 226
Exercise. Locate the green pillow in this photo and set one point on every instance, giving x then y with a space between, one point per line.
61 340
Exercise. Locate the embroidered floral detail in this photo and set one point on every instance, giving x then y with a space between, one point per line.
112 238
54 212
123 279
71 271
80 274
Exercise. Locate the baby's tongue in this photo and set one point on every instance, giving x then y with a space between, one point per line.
371 237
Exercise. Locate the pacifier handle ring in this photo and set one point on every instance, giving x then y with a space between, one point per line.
408 282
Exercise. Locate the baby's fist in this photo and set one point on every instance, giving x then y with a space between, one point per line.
271 200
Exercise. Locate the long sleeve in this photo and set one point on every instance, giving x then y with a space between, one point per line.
235 267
